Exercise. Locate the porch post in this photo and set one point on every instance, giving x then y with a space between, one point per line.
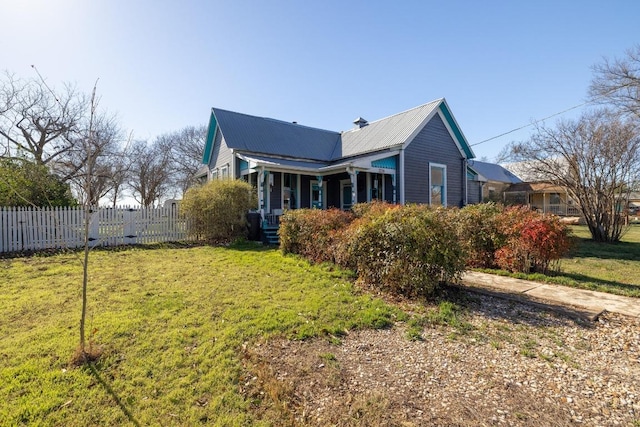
353 175
262 177
401 177
319 178
393 187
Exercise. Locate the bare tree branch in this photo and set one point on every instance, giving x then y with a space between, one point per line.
617 82
595 158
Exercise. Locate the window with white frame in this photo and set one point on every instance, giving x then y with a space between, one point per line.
224 172
437 184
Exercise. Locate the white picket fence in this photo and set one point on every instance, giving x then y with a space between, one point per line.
33 229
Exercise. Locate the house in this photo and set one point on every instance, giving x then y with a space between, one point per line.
634 204
544 197
538 191
488 181
416 156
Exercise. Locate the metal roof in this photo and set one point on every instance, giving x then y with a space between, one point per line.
493 172
276 137
535 187
286 163
384 133
264 136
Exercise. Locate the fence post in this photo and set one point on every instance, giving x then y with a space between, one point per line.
94 226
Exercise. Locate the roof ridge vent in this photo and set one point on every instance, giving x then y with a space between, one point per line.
360 122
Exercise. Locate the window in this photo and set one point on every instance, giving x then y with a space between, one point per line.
554 199
225 172
438 184
318 195
214 174
289 182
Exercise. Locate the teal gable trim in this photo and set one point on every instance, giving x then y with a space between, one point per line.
244 165
452 124
211 135
386 163
471 174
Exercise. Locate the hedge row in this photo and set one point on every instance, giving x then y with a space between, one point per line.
409 250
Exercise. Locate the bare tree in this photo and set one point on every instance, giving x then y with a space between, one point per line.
595 158
185 147
120 169
36 121
150 172
98 153
617 82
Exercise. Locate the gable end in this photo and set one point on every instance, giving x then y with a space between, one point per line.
461 140
211 133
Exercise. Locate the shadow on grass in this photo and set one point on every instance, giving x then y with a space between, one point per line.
120 248
112 393
238 246
587 248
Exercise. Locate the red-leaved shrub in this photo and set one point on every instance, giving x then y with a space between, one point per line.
530 241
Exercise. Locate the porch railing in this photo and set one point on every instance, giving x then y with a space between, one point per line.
272 219
560 210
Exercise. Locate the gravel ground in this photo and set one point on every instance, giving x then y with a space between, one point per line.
508 364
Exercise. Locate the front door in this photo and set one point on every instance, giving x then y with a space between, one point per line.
346 200
316 203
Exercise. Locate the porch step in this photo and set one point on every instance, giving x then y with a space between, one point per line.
270 235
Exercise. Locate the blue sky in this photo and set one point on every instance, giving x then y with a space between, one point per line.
163 64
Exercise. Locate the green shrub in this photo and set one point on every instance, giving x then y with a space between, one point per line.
371 209
406 250
217 210
532 241
312 233
477 229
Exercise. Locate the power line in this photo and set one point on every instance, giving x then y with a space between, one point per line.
531 124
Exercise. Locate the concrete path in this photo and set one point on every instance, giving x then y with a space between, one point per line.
590 303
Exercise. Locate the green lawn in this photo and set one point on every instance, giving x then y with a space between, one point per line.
610 267
172 322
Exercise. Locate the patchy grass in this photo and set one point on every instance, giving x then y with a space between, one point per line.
603 267
170 322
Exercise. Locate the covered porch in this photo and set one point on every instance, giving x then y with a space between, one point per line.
283 184
543 197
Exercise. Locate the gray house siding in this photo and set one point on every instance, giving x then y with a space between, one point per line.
221 154
433 144
474 192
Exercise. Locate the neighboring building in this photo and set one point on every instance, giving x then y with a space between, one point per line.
634 204
544 197
538 192
488 182
417 156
